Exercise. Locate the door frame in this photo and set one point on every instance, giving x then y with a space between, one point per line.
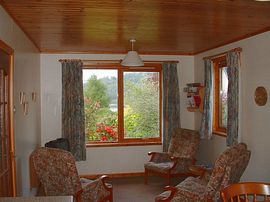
10 52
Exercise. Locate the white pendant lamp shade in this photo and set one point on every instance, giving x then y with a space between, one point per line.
132 58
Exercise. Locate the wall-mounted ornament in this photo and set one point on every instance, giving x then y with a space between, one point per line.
260 96
34 96
22 97
25 108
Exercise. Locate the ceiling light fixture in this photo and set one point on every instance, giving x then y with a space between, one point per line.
132 58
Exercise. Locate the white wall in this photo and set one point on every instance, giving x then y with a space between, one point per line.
254 120
27 79
101 159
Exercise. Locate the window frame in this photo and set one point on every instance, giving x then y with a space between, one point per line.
218 63
153 67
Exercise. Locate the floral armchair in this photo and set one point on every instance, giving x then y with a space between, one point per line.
181 154
57 173
227 170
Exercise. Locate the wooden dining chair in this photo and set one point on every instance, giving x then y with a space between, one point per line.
246 191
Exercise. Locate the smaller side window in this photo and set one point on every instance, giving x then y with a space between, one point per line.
220 95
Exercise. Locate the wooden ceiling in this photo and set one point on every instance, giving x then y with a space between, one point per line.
160 26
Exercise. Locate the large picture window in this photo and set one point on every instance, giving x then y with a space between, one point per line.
122 105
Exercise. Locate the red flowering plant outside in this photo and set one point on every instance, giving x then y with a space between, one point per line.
106 133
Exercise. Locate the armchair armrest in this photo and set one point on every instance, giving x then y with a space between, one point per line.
170 192
103 179
151 153
107 186
97 189
78 195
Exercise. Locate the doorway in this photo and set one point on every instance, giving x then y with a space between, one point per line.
7 148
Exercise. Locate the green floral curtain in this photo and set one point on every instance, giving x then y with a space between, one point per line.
73 108
233 94
207 116
171 102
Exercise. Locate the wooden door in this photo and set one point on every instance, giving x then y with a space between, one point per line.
7 161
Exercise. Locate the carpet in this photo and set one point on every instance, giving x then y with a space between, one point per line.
133 189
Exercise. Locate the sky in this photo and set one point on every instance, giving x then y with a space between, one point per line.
87 73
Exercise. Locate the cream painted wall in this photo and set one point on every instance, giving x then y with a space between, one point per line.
26 79
106 159
254 120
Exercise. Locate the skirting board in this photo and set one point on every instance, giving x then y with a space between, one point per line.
114 175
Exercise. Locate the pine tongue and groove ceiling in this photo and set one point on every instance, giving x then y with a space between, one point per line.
160 26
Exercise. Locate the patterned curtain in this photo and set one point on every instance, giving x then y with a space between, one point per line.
73 108
233 92
171 102
207 116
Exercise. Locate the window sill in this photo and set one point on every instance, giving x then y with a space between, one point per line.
122 144
222 134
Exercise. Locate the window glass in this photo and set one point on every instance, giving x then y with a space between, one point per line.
141 104
220 95
122 105
100 100
223 97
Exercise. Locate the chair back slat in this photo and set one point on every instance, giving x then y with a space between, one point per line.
245 191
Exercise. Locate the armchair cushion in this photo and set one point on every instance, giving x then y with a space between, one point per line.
159 167
159 157
190 190
179 163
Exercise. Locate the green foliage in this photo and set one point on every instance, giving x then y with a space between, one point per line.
111 84
142 119
96 90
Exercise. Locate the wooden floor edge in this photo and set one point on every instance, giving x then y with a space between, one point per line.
114 175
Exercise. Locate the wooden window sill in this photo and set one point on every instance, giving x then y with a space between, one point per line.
121 144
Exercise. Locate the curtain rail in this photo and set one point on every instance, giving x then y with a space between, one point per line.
223 53
117 61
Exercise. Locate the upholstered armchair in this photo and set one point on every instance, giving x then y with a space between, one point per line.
227 170
57 173
181 154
